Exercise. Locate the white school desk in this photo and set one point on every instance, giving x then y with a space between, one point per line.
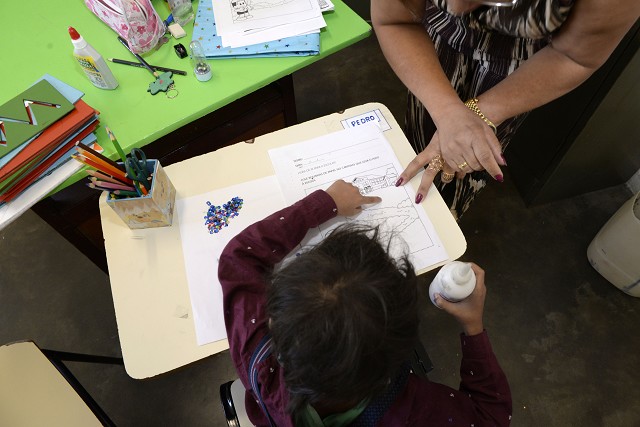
146 267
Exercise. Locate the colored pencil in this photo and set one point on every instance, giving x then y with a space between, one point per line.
104 177
103 167
139 65
82 148
111 185
96 187
96 160
142 188
115 143
89 162
125 193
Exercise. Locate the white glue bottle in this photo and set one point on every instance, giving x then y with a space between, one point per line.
91 62
454 282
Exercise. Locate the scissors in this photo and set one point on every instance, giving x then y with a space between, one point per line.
136 167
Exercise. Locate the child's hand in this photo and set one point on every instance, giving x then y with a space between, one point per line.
348 198
468 312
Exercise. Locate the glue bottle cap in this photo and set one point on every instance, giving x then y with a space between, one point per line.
76 38
462 273
74 34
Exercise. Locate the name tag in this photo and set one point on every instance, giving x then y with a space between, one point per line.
374 116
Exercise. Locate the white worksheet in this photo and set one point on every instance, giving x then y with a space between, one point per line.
237 16
201 250
361 156
265 35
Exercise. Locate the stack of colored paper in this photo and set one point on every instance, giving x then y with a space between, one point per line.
245 29
38 131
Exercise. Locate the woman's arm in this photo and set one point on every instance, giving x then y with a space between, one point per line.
584 42
411 54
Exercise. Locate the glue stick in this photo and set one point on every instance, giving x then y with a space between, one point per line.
91 62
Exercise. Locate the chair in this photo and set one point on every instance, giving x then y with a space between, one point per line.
232 393
36 388
232 397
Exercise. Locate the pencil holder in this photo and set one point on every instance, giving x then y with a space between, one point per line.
153 210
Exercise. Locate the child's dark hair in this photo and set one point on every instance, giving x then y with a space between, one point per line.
343 318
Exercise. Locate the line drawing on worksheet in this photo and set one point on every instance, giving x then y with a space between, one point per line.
397 214
361 156
234 16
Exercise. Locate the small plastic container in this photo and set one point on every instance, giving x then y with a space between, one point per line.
454 282
201 68
182 11
92 63
615 251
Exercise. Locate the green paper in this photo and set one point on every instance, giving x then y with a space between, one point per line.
15 121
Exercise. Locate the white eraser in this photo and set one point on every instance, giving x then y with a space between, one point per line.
177 31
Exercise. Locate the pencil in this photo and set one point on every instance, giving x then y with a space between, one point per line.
115 143
99 160
110 185
85 149
125 193
143 188
138 57
104 177
90 185
89 162
139 65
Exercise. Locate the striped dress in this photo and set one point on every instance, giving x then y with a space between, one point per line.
477 50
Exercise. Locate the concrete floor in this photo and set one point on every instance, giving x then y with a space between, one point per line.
565 336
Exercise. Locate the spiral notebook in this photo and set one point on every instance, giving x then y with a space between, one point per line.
204 30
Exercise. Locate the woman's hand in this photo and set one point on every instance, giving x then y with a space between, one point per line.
348 199
465 143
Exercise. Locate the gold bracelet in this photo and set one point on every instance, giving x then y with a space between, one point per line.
472 104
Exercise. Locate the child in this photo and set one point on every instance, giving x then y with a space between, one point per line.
325 340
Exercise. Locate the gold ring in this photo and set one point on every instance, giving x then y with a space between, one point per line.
462 165
435 164
447 177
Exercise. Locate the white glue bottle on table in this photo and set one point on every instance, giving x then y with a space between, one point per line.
93 65
454 282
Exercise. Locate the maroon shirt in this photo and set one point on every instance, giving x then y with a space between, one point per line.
484 398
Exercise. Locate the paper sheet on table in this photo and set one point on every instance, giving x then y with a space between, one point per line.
265 35
202 250
362 156
241 15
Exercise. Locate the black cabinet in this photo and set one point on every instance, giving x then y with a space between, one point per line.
586 140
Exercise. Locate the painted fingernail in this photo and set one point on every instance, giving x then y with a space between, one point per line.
504 161
418 198
499 178
399 182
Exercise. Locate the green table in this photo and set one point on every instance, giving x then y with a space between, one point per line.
245 97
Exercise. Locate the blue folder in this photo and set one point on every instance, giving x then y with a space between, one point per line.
204 30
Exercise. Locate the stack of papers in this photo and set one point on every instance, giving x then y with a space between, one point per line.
38 132
245 28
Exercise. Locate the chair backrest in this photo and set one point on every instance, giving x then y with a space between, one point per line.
33 392
237 393
232 395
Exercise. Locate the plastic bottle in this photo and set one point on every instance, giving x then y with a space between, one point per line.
454 282
91 62
201 69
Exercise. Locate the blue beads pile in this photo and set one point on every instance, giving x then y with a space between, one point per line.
218 217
